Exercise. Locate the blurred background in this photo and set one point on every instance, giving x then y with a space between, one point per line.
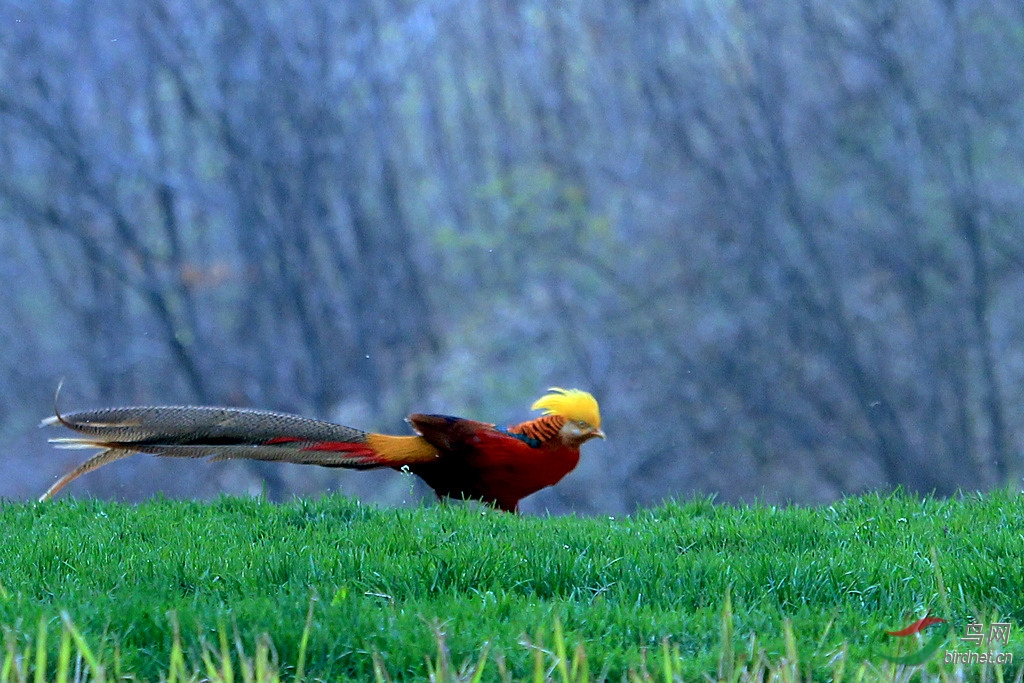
781 242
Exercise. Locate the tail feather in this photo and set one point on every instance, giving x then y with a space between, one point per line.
227 434
104 457
147 423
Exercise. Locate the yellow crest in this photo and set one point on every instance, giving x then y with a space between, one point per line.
572 404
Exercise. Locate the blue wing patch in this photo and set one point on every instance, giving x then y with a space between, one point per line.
528 440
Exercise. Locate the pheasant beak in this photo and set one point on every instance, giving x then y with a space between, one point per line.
598 433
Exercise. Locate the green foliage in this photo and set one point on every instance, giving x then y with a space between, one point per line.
344 591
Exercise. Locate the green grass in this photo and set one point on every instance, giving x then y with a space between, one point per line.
346 591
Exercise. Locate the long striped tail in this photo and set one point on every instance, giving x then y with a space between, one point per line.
226 434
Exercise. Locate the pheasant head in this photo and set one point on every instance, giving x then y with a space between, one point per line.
578 408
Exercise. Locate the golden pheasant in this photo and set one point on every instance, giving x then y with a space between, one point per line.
458 458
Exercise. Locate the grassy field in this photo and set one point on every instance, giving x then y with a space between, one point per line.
344 591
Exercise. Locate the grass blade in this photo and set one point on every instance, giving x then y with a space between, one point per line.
40 673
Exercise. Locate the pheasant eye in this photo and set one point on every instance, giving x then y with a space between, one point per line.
581 423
